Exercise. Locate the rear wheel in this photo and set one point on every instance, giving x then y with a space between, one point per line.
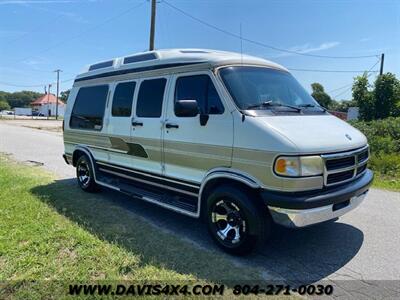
236 221
85 175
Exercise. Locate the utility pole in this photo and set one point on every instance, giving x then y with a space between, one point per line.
58 88
152 24
48 102
382 61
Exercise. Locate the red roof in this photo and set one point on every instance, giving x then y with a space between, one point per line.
45 99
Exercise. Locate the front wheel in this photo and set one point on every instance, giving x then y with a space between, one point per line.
85 175
236 221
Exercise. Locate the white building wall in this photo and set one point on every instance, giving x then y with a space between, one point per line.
44 109
353 113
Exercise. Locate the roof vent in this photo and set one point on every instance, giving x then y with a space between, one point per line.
139 58
104 64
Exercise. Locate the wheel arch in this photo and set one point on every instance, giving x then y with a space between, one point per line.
82 150
220 177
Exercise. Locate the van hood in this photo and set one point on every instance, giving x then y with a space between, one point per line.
316 134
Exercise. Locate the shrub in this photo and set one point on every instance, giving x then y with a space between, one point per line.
383 135
384 140
386 164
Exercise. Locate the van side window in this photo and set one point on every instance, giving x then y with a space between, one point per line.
88 110
122 99
150 98
201 89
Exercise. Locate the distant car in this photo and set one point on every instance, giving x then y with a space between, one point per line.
6 112
37 114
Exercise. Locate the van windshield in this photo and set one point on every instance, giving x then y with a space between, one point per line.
265 88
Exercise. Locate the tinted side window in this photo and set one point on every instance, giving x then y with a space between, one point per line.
88 110
122 99
202 89
150 98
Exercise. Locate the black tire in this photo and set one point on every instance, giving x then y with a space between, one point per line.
85 175
249 221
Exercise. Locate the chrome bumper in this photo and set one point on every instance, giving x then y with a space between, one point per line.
295 218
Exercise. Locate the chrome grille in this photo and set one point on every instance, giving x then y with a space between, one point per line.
361 169
338 177
362 156
340 163
344 166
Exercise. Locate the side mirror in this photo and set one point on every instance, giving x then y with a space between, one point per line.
186 108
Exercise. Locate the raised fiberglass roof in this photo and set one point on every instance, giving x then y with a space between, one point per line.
176 56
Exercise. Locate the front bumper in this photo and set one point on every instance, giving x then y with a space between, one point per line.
308 208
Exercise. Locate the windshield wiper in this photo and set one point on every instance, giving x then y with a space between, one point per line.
312 105
271 104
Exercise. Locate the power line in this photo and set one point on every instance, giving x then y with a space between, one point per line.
349 89
256 42
30 69
332 71
369 72
345 86
33 85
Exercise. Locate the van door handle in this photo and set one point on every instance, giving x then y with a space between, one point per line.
135 123
170 125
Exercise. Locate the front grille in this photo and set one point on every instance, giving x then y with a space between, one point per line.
361 169
339 177
340 163
363 156
344 166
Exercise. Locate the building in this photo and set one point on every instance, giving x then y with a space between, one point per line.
339 114
353 113
46 105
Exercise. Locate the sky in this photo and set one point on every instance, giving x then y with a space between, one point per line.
40 36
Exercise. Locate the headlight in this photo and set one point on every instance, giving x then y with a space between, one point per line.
297 166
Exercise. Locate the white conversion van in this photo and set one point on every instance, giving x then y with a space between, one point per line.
231 138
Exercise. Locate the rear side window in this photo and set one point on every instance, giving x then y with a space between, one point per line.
201 89
150 98
122 100
88 110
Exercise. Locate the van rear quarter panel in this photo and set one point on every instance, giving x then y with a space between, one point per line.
94 139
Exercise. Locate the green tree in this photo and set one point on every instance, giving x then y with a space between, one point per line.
64 95
318 93
397 107
364 98
22 99
386 93
4 105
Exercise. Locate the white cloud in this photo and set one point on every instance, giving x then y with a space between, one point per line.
42 1
34 1
363 40
31 4
36 61
32 62
308 48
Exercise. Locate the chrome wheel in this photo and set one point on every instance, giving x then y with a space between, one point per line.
229 223
83 174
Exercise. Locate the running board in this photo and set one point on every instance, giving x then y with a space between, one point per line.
179 202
